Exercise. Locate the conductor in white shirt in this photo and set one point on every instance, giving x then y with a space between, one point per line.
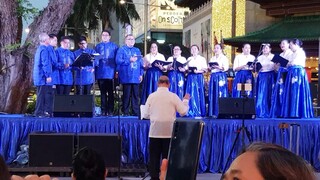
161 107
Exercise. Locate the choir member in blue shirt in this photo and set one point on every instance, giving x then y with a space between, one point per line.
130 67
105 70
65 61
42 75
84 75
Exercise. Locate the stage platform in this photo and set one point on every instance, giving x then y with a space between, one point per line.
219 135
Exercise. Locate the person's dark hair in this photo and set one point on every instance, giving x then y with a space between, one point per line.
88 164
277 163
243 45
82 38
52 35
296 41
4 172
64 37
195 46
107 31
285 40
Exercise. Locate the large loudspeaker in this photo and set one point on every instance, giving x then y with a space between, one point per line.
51 149
237 108
73 106
107 145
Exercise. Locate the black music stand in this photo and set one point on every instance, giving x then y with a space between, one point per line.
83 60
248 110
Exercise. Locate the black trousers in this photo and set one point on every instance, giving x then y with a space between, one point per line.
130 92
107 97
63 89
83 89
42 100
158 149
49 99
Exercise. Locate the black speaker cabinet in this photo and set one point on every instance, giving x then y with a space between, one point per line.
107 145
51 149
237 108
73 106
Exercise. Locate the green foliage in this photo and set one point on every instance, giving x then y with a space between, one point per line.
31 106
12 47
26 10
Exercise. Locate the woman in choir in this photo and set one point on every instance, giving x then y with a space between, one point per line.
297 98
278 90
153 71
176 72
243 71
265 82
195 83
218 88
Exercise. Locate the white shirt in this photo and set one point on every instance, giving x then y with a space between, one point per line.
266 63
198 61
286 54
222 60
242 59
161 107
150 58
180 59
298 58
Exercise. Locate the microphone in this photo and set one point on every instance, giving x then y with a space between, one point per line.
170 45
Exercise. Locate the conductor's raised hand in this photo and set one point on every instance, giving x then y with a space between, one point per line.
187 96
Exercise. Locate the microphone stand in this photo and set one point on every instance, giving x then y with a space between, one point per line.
119 124
255 73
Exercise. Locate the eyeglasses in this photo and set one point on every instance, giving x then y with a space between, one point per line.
130 39
176 49
82 43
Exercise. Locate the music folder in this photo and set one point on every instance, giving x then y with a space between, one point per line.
249 63
279 59
83 60
191 68
213 64
182 65
163 63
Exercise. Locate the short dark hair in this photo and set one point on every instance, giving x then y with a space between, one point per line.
296 41
163 80
82 38
88 164
64 37
4 172
107 31
276 162
52 35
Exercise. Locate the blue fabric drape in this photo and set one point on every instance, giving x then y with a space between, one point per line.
265 83
217 141
242 76
177 82
150 83
195 87
297 101
218 87
278 93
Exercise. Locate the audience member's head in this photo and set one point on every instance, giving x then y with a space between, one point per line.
4 173
88 164
263 161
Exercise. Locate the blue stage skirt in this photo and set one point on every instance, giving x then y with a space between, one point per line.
150 83
242 76
278 93
218 87
195 87
297 97
265 84
177 83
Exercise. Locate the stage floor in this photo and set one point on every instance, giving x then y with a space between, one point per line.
218 138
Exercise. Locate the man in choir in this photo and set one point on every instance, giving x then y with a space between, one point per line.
130 67
265 82
84 77
177 72
243 70
65 59
105 70
42 75
218 65
153 71
278 90
195 83
297 98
